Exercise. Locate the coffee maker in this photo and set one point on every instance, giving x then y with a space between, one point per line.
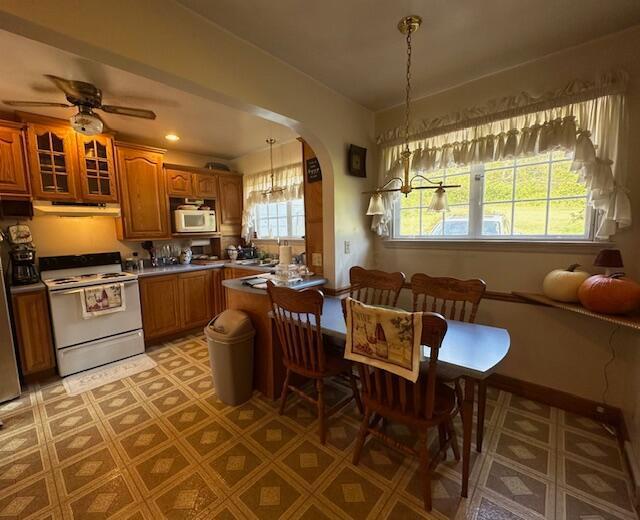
22 256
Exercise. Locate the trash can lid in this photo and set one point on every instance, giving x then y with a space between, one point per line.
230 324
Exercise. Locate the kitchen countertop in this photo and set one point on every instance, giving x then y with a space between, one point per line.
17 289
175 269
236 284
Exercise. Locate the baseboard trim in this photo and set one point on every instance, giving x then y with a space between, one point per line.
572 403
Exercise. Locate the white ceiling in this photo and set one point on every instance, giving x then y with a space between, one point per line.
204 127
353 46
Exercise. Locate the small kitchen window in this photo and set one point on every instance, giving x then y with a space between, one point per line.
280 219
531 198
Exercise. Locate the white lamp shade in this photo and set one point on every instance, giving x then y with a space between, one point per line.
439 201
376 205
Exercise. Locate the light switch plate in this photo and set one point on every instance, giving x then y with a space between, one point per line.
316 259
347 247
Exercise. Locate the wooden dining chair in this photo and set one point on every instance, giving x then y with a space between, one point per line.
456 300
374 287
297 316
425 404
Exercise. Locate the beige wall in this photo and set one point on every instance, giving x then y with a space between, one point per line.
283 155
549 347
183 50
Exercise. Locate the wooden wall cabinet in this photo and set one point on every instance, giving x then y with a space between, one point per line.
97 173
33 332
160 301
205 186
144 204
13 165
52 161
230 204
179 183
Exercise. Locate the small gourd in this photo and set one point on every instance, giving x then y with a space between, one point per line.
562 284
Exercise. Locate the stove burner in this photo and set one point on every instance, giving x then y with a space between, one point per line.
112 275
62 280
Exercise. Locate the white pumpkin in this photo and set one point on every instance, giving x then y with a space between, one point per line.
562 284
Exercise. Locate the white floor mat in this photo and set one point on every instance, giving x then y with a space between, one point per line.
90 379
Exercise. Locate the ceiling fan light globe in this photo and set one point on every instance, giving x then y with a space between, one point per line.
87 124
439 202
376 205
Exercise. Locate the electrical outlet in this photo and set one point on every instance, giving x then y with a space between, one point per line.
316 259
347 247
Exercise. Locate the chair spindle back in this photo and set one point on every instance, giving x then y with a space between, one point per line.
454 299
388 392
297 316
374 287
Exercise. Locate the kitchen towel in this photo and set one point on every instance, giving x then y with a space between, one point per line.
384 338
102 299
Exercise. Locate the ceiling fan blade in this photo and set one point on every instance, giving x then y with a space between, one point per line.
128 111
34 104
77 91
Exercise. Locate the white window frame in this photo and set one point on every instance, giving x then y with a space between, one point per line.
476 194
289 216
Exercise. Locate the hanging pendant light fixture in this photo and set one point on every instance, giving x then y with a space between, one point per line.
407 26
272 189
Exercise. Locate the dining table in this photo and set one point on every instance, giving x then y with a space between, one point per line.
470 351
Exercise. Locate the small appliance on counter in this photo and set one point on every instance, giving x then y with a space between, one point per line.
22 256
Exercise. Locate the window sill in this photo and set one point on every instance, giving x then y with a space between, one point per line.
547 246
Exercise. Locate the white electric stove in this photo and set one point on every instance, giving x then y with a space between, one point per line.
82 343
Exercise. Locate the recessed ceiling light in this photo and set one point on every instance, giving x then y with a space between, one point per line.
171 137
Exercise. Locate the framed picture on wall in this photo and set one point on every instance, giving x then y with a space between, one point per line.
357 161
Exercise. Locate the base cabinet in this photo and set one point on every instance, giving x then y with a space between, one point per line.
160 302
176 303
33 332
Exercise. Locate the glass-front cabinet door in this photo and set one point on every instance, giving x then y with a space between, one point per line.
97 172
52 162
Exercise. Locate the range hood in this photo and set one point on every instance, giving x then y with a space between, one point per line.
75 209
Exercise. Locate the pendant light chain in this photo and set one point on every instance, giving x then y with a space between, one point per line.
407 114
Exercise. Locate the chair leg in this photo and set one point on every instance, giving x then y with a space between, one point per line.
453 436
356 392
362 435
423 454
285 392
442 439
321 414
482 405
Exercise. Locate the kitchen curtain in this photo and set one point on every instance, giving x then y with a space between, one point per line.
289 177
586 120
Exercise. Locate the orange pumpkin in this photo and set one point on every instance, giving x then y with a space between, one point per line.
612 294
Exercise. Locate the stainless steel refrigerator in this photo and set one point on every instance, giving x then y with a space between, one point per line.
9 382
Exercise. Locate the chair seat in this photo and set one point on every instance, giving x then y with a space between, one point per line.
334 364
444 406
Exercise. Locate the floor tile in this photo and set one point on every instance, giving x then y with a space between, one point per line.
142 441
271 495
188 497
187 416
308 461
207 438
161 467
236 463
28 498
525 425
129 419
87 469
592 449
111 497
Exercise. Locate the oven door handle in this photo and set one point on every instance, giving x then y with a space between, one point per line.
81 289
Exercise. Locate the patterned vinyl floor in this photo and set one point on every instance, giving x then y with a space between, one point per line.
161 445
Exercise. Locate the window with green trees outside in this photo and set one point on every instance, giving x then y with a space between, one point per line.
533 198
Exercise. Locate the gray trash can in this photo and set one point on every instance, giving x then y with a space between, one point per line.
230 338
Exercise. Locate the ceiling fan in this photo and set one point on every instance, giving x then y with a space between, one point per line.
87 98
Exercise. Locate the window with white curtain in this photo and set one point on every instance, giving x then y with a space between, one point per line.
529 198
280 219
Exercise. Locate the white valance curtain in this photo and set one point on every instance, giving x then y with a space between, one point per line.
584 119
289 177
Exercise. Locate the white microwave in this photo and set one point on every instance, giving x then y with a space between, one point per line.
195 221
